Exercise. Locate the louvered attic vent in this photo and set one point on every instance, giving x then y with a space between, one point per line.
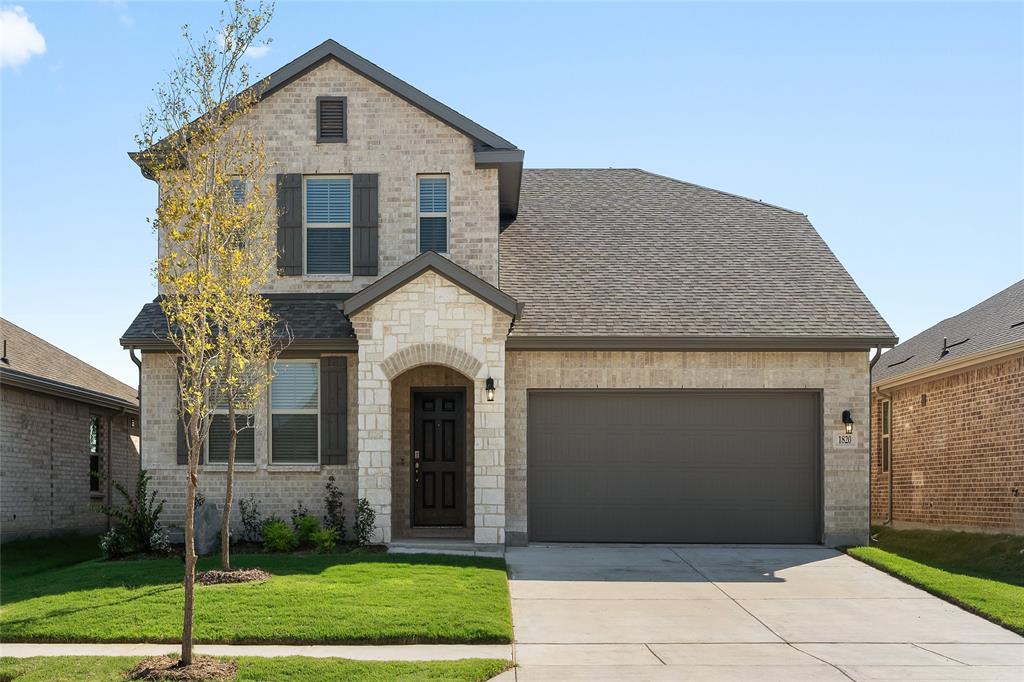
330 119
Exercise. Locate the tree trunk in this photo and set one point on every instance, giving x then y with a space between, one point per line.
225 526
190 537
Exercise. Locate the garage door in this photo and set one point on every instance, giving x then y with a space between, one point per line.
673 466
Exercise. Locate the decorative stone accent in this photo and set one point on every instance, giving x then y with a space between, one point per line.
430 320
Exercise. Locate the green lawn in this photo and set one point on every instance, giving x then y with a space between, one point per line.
352 598
290 669
982 573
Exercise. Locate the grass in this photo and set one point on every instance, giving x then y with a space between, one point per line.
287 669
19 558
982 573
353 598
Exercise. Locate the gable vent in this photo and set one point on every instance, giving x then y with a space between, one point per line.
331 123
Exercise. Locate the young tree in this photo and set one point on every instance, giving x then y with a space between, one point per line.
197 144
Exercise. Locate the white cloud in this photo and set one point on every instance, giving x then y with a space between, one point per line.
19 37
252 52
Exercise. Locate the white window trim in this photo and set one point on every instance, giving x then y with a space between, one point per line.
272 412
206 444
433 214
886 434
330 276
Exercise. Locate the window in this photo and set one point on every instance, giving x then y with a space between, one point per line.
220 438
886 435
237 186
433 213
295 412
327 225
95 450
330 119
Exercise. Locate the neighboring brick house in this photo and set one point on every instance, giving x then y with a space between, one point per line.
948 423
67 433
506 355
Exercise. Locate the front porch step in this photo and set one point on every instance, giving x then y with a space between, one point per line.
445 546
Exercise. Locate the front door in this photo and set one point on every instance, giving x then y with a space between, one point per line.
438 458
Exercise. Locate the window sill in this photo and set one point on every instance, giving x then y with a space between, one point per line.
293 467
327 278
239 466
96 495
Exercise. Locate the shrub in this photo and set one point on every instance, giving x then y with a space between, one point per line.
139 518
114 544
305 527
334 508
298 512
362 527
278 536
252 519
324 540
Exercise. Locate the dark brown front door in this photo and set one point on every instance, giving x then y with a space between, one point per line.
438 458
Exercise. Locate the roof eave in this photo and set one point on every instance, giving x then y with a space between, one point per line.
953 366
32 382
699 343
509 163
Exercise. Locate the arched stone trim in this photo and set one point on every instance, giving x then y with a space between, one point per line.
430 354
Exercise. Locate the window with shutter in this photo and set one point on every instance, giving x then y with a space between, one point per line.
327 222
295 412
220 437
331 124
433 213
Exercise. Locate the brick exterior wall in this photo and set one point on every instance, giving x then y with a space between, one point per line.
958 458
398 141
843 379
44 446
277 487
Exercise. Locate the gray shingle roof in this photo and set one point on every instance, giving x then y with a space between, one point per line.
309 318
996 321
625 252
30 356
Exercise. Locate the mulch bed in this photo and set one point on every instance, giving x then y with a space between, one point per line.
238 575
203 669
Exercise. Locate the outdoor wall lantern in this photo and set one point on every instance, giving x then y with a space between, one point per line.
848 421
490 390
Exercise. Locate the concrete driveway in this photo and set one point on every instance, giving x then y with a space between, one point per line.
658 612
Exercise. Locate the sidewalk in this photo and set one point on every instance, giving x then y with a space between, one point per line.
396 652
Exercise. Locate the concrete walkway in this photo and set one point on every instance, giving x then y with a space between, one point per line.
404 652
645 612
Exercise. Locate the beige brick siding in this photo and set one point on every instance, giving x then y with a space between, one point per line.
842 377
44 446
396 140
430 321
277 488
958 457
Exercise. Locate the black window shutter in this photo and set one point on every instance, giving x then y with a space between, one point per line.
334 410
289 224
331 123
364 224
182 440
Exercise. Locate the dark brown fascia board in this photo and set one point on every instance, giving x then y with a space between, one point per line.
697 343
442 266
32 382
327 345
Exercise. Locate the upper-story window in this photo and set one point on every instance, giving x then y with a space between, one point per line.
331 119
433 213
237 187
327 224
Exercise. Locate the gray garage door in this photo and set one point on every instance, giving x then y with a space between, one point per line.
673 466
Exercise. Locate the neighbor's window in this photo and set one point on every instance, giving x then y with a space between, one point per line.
220 437
886 434
95 450
433 213
327 223
295 412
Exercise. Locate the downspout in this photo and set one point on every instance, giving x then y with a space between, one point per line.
138 363
871 442
110 466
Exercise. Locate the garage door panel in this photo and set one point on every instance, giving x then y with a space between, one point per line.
678 466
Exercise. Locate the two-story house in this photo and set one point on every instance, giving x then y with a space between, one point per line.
504 355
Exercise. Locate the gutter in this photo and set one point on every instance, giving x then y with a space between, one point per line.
937 370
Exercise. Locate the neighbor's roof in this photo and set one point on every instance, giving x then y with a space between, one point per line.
994 323
34 363
305 319
632 258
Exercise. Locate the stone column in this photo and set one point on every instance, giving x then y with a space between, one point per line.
489 438
374 426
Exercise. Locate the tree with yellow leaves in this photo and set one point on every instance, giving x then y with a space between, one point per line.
216 244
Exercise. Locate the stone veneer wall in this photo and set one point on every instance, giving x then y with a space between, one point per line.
277 487
424 376
396 140
843 379
44 446
430 321
957 455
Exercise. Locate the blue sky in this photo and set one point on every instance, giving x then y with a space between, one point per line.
898 128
